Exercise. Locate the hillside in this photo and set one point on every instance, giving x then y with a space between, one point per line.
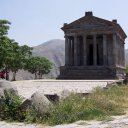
54 51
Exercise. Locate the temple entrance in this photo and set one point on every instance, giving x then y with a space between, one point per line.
90 54
90 51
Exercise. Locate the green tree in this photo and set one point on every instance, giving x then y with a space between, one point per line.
26 51
12 56
38 66
4 40
20 54
4 27
15 60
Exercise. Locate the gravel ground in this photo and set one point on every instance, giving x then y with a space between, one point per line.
117 122
27 88
19 125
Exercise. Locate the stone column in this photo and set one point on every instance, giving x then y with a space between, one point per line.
120 52
70 51
104 50
75 51
123 55
66 51
94 50
123 52
114 49
85 50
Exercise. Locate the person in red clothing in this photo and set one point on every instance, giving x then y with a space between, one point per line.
2 74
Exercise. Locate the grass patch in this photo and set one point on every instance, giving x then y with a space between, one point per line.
100 105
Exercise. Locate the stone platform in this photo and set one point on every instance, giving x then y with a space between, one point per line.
52 87
90 72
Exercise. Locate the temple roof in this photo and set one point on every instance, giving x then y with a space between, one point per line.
90 22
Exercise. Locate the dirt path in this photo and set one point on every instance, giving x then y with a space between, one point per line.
4 124
117 122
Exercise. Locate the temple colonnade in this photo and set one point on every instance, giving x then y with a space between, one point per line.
92 50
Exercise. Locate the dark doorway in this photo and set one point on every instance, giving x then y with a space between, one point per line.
90 54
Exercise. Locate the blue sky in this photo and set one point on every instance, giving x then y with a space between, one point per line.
37 21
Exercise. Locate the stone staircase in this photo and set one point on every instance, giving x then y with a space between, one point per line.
86 73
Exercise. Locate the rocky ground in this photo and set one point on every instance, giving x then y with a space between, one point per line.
27 88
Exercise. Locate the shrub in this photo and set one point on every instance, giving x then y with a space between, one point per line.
11 106
32 116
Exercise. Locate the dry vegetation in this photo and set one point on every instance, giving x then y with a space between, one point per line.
100 105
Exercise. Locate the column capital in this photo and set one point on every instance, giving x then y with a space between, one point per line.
66 36
72 34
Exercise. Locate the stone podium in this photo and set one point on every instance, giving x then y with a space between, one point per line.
94 49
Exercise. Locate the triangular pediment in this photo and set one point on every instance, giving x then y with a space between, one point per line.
89 23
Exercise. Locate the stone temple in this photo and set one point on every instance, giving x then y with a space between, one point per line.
94 49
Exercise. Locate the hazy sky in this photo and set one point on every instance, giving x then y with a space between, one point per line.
37 21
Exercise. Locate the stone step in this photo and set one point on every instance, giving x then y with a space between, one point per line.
87 77
86 72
